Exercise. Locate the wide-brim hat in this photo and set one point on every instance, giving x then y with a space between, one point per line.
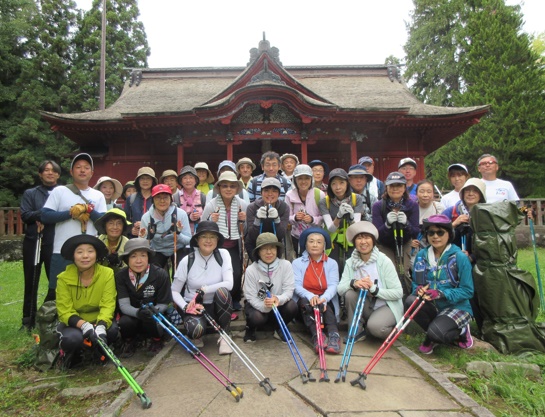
304 236
100 223
145 171
361 227
366 160
271 182
204 165
132 245
71 244
118 188
228 176
439 220
359 169
395 178
188 170
229 164
245 161
289 155
312 164
476 182
84 156
168 173
267 239
204 227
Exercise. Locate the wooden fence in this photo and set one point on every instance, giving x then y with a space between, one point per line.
11 224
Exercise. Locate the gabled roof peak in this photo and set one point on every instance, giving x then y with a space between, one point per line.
264 47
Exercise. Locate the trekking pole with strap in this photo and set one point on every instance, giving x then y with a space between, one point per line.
539 283
358 311
36 274
144 399
305 377
398 238
321 346
175 235
242 250
264 382
392 337
173 331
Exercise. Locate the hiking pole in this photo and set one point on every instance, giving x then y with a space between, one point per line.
173 331
144 399
351 336
392 337
398 238
264 382
321 347
243 250
539 283
36 275
291 344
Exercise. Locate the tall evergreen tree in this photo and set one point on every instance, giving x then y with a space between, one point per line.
126 47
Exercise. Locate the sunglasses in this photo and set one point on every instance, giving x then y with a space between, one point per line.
439 233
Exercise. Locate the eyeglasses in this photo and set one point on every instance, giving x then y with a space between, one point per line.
225 186
487 163
439 233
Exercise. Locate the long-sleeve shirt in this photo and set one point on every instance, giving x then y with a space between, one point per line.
163 240
310 206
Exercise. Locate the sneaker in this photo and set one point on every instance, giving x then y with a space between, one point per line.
279 336
198 342
466 341
358 338
156 345
427 347
234 316
334 344
224 348
237 306
128 349
249 335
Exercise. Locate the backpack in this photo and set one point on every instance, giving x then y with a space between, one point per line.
47 349
327 200
191 259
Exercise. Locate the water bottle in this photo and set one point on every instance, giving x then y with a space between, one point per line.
420 271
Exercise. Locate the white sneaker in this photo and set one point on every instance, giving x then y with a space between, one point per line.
224 348
198 342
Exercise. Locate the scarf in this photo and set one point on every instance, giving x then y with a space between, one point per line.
141 280
228 229
268 268
187 201
394 206
358 263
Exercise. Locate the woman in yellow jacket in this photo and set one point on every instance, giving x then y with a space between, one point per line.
86 298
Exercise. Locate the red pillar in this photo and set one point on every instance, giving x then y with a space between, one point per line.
353 152
229 151
304 152
180 157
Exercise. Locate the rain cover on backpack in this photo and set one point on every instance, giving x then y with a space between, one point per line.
47 350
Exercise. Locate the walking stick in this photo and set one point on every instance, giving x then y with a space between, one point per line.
36 274
539 283
392 337
398 238
321 345
243 251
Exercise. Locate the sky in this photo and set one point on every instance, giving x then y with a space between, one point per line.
213 33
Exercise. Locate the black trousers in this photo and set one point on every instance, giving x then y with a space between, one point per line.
256 318
32 277
130 327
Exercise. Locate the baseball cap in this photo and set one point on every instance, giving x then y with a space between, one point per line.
406 161
84 156
395 178
460 166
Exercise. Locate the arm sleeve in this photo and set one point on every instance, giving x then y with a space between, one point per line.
344 284
288 284
185 235
208 210
28 213
391 289
65 306
50 216
108 299
251 287
226 274
180 278
332 277
298 277
126 307
464 291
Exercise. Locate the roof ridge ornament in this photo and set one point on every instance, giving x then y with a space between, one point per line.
136 77
266 75
265 47
394 73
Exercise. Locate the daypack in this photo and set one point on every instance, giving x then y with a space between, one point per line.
47 350
191 259
452 272
327 200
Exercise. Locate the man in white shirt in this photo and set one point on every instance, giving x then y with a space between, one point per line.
496 189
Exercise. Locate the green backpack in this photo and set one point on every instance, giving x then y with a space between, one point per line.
47 350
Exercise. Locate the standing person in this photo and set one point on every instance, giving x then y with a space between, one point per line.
112 227
266 214
407 166
359 178
73 209
206 178
268 273
446 272
369 269
31 205
161 223
245 167
86 298
140 202
208 269
396 218
227 166
228 211
457 175
375 186
303 201
191 200
320 171
340 208
170 178
138 286
288 163
496 189
111 188
270 164
316 278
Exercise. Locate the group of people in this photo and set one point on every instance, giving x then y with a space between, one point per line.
184 240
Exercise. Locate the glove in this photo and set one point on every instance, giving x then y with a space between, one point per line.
402 218
343 210
273 213
88 331
113 259
262 213
391 218
350 211
77 210
100 331
434 294
144 314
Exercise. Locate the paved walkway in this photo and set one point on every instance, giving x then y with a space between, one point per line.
401 384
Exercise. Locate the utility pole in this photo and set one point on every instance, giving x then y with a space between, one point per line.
102 81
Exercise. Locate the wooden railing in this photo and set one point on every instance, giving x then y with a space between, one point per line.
538 205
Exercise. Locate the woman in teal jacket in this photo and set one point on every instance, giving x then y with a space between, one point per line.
446 271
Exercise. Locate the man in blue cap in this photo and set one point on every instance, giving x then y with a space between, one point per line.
358 177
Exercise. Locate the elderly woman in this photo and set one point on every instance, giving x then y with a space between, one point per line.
228 211
165 226
369 269
209 270
85 298
442 276
111 227
268 273
111 188
303 202
140 202
192 201
396 218
138 286
316 279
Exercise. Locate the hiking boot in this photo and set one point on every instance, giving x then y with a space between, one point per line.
224 348
334 344
315 343
465 341
155 346
427 347
279 336
128 349
198 342
249 335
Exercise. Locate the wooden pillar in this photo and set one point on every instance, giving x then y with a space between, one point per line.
353 152
304 152
180 157
229 151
